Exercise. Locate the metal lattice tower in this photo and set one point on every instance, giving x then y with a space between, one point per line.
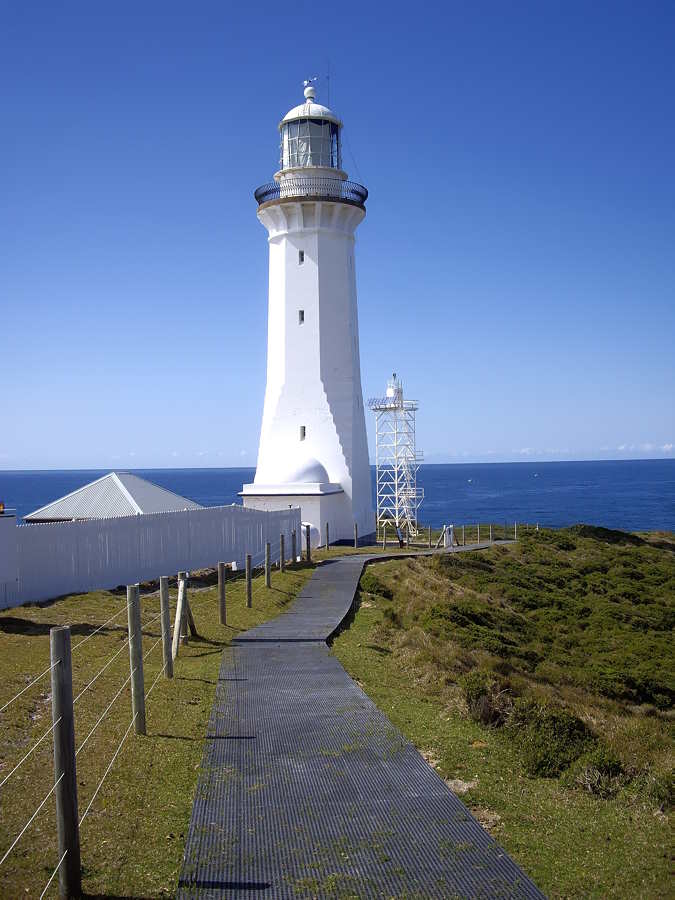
398 497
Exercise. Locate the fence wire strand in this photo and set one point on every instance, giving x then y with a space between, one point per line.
110 764
100 672
30 685
100 627
105 712
29 822
34 747
51 877
119 746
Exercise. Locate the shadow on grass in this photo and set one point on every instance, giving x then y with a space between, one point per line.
187 678
16 625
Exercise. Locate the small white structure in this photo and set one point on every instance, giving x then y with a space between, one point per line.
313 449
398 497
115 494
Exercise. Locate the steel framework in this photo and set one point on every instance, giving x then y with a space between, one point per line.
398 497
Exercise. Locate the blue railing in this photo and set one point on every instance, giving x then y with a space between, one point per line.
320 188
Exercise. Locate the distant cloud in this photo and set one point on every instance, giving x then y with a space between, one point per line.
667 448
243 453
646 447
202 452
175 453
526 451
132 453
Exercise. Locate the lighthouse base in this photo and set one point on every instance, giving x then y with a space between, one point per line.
320 505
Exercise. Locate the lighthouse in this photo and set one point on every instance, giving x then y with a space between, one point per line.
313 449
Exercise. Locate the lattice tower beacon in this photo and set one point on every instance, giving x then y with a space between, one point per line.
313 450
398 497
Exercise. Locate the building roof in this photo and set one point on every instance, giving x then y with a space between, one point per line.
115 494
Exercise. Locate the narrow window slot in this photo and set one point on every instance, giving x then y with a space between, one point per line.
301 317
301 257
303 432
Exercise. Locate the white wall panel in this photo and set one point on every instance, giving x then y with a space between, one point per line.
74 557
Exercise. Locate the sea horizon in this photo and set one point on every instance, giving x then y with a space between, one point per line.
456 462
631 495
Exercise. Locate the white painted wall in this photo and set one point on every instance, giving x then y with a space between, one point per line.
313 369
74 557
8 562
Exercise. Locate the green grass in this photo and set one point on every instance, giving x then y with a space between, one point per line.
538 679
133 838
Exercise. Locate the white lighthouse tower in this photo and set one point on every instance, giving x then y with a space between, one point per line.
313 449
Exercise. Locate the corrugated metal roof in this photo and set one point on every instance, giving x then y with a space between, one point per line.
115 494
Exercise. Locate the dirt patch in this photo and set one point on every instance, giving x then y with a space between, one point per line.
457 786
490 820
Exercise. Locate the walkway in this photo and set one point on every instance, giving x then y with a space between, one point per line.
308 790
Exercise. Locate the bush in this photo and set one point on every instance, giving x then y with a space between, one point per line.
550 737
371 584
391 617
489 699
597 771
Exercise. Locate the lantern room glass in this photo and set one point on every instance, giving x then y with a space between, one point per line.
310 142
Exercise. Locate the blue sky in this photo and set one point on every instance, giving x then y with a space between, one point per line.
516 265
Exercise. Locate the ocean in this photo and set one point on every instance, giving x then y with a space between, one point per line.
633 495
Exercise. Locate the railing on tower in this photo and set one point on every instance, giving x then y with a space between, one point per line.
325 188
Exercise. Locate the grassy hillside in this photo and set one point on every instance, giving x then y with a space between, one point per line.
538 678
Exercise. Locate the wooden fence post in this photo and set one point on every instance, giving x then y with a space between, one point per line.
327 538
478 539
268 565
165 620
384 536
309 543
430 537
282 553
515 531
490 533
249 589
177 622
463 537
188 613
182 589
356 535
294 547
70 884
222 600
136 657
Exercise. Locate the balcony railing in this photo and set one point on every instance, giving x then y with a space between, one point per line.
292 188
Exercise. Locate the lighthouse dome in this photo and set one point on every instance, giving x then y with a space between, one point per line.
310 136
309 471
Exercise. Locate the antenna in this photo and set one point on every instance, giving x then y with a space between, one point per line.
328 84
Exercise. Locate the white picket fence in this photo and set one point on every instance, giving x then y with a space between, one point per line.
74 557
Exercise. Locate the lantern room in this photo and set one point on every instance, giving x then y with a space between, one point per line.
310 138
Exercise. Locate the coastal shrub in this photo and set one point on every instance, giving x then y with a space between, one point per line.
658 789
550 738
597 771
487 697
371 584
601 614
392 618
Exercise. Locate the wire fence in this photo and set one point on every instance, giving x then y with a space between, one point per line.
175 622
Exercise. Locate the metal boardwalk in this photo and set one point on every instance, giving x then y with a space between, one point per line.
308 790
